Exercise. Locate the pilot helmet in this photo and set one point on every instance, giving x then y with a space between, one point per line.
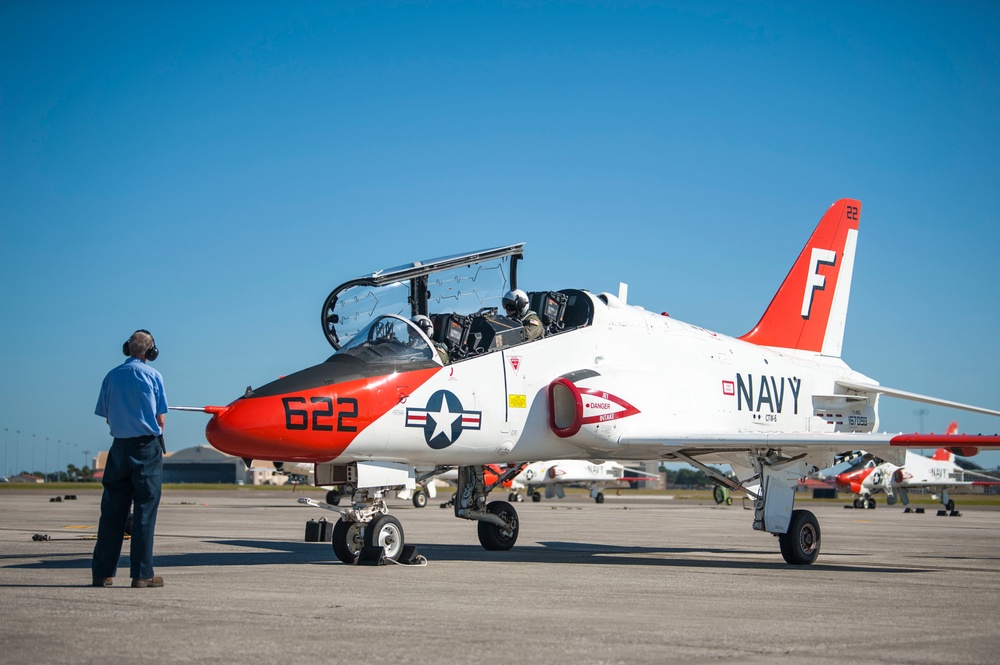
516 301
425 324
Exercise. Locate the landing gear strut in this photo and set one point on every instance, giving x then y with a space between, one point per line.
498 523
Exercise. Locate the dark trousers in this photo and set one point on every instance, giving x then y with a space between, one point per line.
133 474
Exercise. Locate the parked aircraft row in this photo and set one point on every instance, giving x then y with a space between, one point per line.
869 476
607 380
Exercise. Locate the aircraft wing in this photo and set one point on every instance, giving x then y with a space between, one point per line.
721 448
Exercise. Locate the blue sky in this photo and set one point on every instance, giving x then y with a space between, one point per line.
210 171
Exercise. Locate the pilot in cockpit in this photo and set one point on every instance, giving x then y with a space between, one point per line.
516 305
425 324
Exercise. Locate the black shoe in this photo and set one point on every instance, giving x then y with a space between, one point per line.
103 581
146 583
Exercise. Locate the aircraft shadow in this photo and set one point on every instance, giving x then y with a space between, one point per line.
555 552
269 553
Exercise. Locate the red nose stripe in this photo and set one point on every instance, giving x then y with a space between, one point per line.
314 425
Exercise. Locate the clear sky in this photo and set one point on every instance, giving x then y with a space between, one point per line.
210 171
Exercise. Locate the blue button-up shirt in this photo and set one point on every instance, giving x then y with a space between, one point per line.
132 396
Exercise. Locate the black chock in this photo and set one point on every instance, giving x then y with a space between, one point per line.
408 556
942 513
372 555
55 499
70 497
919 511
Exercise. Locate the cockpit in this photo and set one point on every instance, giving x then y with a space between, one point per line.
390 339
369 318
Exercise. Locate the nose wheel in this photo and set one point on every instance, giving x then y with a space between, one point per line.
386 532
348 539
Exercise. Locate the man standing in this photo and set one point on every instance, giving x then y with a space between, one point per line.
134 404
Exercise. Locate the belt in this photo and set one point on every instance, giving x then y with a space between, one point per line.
139 439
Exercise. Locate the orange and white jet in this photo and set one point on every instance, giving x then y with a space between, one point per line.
608 380
938 472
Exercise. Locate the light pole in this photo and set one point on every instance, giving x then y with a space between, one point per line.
5 432
34 444
17 450
46 459
58 444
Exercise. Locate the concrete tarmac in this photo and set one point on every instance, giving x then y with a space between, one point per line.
633 580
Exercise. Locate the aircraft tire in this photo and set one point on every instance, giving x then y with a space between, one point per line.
386 532
419 499
333 498
800 545
858 504
536 497
494 538
719 494
870 503
348 540
950 506
599 498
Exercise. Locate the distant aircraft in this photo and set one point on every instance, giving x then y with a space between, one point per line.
939 472
608 380
554 475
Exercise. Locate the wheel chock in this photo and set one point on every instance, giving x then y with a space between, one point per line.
372 555
409 556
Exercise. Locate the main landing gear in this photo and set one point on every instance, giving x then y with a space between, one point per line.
770 479
368 524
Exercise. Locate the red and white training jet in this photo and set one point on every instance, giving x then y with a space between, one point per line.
608 380
939 472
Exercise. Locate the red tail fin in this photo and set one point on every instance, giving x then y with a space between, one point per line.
810 309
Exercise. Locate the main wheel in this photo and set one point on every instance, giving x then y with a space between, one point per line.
348 540
420 498
333 498
536 497
950 506
870 503
493 537
800 546
599 498
386 532
858 503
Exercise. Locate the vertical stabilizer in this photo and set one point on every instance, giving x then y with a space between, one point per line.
809 311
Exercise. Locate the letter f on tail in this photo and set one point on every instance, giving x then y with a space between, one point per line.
809 311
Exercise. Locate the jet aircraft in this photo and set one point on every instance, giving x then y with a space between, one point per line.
939 472
608 380
552 476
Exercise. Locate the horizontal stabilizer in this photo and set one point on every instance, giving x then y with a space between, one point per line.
902 394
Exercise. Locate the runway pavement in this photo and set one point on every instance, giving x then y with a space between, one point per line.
633 580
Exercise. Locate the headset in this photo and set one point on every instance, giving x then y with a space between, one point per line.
151 354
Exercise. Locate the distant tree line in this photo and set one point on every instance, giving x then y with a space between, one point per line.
686 479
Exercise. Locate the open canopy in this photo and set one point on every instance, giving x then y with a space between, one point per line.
460 283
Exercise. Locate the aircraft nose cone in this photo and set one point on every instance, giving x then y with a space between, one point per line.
241 430
843 480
